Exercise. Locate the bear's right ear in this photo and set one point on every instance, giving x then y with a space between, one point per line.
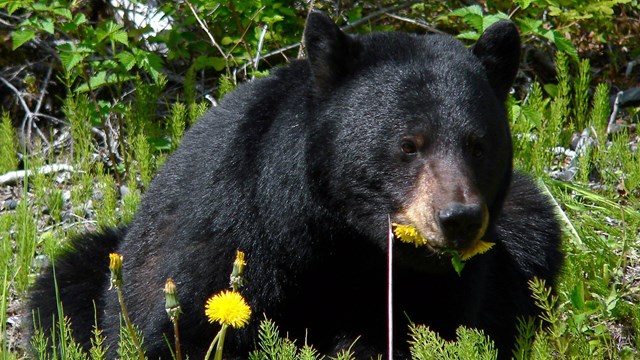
330 51
499 51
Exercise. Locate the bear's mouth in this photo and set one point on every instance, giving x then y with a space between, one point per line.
410 234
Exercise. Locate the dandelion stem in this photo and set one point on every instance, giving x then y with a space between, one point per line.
223 331
176 335
130 329
214 342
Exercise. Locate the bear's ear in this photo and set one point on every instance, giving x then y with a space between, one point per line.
330 51
499 51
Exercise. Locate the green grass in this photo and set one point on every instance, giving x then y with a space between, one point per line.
594 314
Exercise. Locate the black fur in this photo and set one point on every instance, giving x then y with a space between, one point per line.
301 170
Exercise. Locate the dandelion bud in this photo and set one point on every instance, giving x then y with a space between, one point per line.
172 304
115 266
237 279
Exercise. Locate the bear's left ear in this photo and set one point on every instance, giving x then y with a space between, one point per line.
330 51
499 51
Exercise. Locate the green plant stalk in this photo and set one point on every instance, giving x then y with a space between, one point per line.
132 332
214 342
3 307
220 345
60 318
176 335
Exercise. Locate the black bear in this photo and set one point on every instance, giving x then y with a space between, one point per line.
302 171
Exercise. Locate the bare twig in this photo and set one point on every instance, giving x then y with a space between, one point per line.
43 88
206 30
234 14
20 99
27 122
614 113
379 13
243 41
260 42
418 23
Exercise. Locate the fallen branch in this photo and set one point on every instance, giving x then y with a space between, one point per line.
12 177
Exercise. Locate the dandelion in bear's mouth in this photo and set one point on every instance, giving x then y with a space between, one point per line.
480 247
408 234
228 308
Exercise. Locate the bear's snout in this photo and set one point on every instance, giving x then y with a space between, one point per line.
463 224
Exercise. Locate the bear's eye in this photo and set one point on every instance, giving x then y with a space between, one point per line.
475 147
409 147
478 151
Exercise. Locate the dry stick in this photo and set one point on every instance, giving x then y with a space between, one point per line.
206 30
418 23
243 40
234 14
379 13
13 176
26 108
260 42
26 134
312 4
614 113
111 154
43 88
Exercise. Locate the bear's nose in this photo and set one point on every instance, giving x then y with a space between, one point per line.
461 223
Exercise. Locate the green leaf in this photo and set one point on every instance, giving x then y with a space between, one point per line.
95 81
120 36
530 25
523 3
563 44
150 62
41 7
577 296
456 261
475 21
473 9
492 19
126 59
79 19
160 143
20 37
552 90
274 19
46 25
70 56
64 12
12 5
469 35
226 40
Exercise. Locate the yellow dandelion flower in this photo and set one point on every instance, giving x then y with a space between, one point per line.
228 308
408 234
481 247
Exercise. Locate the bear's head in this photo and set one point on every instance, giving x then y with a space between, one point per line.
411 127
